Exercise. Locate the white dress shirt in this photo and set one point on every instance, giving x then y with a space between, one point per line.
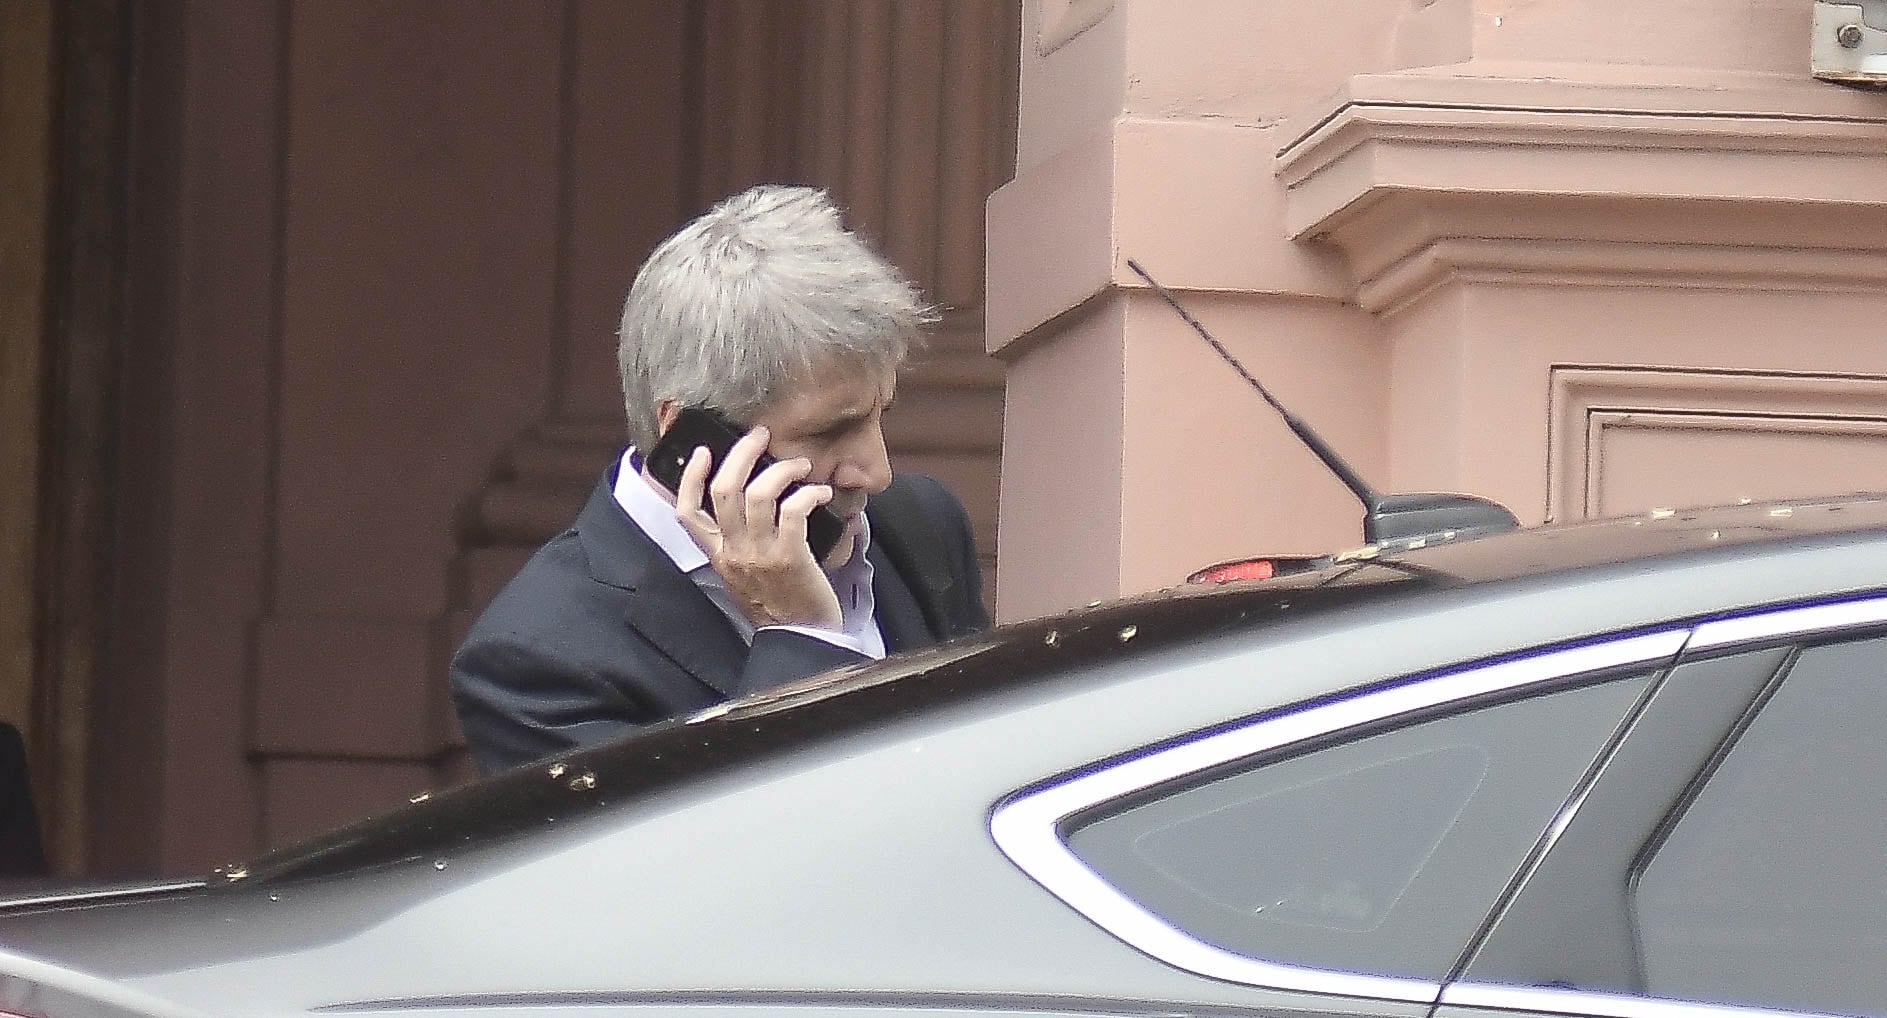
649 509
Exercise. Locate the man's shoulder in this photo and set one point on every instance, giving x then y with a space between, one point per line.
919 485
916 491
574 576
553 580
926 534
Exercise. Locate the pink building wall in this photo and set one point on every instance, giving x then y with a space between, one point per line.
1577 256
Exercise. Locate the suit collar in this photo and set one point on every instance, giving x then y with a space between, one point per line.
664 606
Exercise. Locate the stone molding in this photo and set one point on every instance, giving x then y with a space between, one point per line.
1532 171
1588 405
1057 22
1175 194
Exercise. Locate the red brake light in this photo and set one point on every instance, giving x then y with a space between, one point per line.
1243 569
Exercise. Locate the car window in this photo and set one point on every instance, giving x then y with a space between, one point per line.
1569 926
1381 854
1771 888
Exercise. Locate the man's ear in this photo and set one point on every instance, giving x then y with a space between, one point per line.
666 410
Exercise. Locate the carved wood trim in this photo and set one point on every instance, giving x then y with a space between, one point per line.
80 445
25 221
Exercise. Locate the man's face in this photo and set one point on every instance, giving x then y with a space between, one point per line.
836 420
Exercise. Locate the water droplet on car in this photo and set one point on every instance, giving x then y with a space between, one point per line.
1053 638
438 864
235 873
1128 633
556 770
1663 514
421 797
1782 512
583 782
275 897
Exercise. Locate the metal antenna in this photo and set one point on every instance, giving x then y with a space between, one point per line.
1363 492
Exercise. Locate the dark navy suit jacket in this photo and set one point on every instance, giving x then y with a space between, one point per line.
600 633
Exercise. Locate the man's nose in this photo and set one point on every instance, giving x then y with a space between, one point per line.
864 464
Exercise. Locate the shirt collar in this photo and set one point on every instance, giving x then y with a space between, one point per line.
649 509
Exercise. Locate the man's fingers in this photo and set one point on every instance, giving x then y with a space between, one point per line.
796 507
728 489
763 495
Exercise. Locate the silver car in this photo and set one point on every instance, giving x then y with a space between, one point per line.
1632 769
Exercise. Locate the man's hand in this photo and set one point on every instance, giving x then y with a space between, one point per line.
756 540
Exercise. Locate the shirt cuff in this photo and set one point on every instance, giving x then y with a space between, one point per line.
833 637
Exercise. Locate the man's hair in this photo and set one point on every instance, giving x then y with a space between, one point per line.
757 294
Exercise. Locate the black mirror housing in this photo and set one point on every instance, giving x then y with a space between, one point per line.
1408 517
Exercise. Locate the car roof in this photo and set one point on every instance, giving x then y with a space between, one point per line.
1036 652
1651 539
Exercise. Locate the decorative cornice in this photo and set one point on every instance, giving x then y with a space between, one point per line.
1598 263
1640 178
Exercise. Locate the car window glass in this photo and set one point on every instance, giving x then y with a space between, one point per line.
1569 926
1771 888
1381 854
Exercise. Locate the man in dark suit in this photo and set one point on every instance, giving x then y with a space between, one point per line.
652 606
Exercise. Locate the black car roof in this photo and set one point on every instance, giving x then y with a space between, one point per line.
1021 654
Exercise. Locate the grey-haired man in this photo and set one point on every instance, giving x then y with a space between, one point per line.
769 311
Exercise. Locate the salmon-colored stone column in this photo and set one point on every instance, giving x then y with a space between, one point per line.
1131 454
1623 255
1581 256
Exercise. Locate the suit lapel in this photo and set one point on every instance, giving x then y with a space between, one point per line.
899 617
662 604
900 525
672 614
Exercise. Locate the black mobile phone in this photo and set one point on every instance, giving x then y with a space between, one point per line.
700 426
